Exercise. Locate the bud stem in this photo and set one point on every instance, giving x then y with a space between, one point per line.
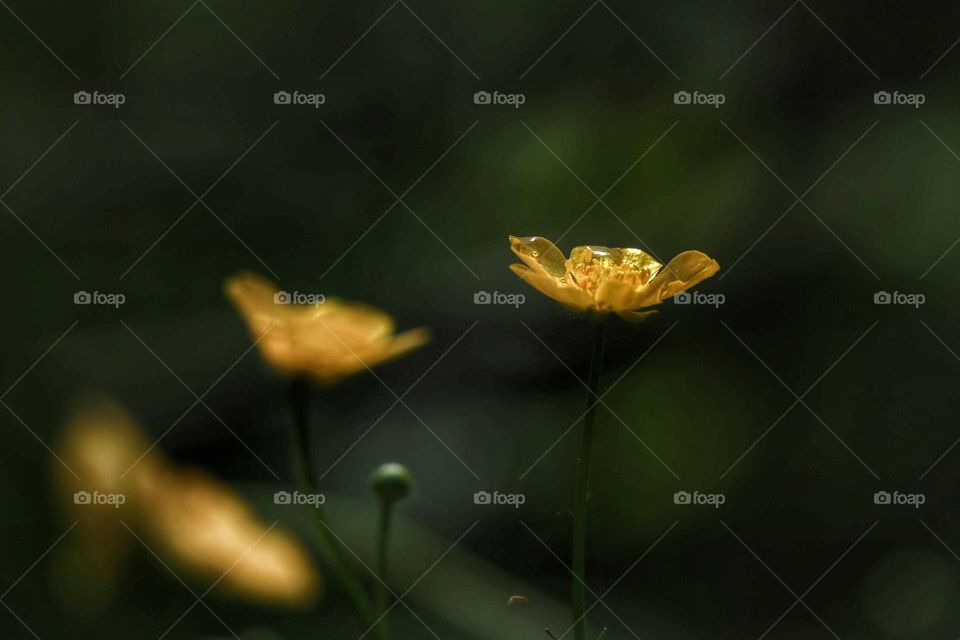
383 551
330 546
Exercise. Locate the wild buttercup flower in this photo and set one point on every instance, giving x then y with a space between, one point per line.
192 520
99 443
607 280
204 528
327 341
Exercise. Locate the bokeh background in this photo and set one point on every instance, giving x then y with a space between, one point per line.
797 399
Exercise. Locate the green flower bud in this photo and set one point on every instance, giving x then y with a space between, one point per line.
391 481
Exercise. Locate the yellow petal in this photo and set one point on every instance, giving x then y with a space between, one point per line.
554 288
396 346
251 294
686 270
331 369
352 319
614 295
207 530
541 255
101 442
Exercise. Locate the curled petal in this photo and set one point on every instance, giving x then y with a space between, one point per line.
541 255
686 270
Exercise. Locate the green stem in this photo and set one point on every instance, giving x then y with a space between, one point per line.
330 547
383 552
582 489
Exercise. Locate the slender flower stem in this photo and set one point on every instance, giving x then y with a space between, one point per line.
330 547
582 488
383 551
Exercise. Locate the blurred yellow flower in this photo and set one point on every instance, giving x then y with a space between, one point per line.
99 443
607 280
204 528
326 341
193 521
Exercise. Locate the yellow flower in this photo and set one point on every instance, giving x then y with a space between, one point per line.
99 443
193 521
326 341
607 280
204 528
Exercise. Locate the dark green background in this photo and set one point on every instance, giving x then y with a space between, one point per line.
598 99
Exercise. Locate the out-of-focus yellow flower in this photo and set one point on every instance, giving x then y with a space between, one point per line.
607 280
326 341
193 521
99 443
204 528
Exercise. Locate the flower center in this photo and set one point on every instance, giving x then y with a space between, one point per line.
589 267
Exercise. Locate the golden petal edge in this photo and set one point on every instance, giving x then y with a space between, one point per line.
539 254
554 288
